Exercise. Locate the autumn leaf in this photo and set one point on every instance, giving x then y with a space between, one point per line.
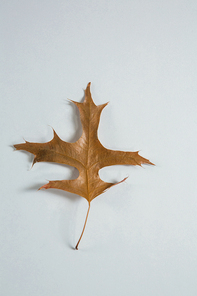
87 154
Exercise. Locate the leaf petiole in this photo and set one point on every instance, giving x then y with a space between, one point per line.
76 248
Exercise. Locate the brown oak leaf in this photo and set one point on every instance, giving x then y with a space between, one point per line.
87 154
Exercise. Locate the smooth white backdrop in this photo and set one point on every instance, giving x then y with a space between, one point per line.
141 236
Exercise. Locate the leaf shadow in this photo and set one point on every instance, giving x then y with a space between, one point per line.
30 156
61 193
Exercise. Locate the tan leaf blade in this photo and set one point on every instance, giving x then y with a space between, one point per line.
87 154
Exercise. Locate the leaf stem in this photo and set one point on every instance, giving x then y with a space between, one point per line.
76 248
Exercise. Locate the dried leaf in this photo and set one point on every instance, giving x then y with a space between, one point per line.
87 154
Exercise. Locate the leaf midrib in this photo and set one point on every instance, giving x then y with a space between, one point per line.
87 155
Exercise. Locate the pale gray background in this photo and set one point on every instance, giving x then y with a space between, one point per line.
141 236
